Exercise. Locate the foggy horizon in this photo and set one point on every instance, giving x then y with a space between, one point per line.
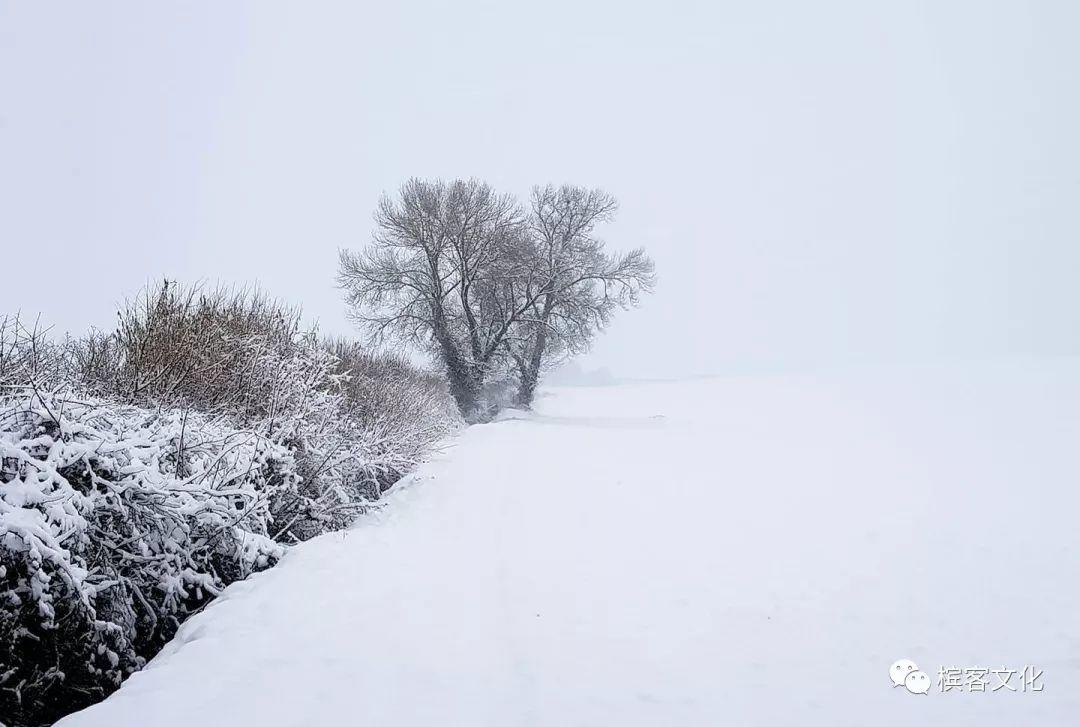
826 186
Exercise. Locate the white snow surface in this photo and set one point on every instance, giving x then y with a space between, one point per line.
729 551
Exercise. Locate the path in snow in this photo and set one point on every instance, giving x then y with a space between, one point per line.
728 551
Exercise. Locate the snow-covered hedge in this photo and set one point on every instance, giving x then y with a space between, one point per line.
115 523
143 470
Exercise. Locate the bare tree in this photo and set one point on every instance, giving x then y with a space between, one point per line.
468 275
574 286
435 276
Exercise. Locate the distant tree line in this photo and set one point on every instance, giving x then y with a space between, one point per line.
491 287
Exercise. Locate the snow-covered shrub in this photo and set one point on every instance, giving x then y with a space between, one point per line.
405 409
115 523
214 351
355 421
143 469
28 356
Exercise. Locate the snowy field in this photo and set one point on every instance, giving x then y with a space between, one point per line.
729 551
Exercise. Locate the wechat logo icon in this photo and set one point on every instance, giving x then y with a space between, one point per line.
905 673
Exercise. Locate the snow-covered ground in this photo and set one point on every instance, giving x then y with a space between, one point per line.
736 551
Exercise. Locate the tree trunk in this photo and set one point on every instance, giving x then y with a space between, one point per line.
465 387
530 373
463 377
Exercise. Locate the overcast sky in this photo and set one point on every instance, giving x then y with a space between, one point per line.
818 182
